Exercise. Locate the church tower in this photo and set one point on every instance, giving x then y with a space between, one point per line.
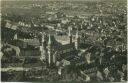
43 48
77 40
15 37
54 57
70 35
49 50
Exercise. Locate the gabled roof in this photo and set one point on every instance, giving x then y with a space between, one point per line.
33 42
65 47
54 43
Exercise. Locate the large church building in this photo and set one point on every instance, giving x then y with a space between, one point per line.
53 51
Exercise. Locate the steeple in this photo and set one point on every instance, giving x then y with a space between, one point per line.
77 40
32 23
77 34
70 35
81 26
15 37
43 48
54 57
49 50
49 40
43 38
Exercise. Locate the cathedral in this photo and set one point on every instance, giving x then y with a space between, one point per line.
53 51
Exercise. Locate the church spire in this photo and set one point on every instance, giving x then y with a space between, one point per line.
70 35
49 40
43 48
77 40
49 50
77 34
43 38
15 36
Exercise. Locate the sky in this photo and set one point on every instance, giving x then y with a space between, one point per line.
51 0
66 0
62 0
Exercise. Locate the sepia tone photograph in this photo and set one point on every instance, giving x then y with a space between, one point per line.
56 41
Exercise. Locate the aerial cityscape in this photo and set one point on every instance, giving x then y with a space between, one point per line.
64 41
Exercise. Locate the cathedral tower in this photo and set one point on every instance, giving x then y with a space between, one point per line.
15 37
49 50
70 35
43 48
77 40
